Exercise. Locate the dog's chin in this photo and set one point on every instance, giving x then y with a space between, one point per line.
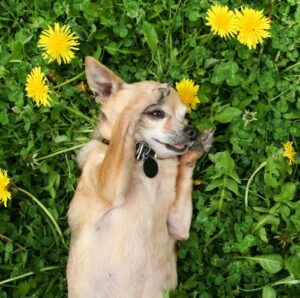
165 150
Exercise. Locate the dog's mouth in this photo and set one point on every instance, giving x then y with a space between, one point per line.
178 148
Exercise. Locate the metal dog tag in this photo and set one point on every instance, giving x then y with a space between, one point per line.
150 167
143 151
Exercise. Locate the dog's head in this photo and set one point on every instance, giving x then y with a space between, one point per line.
163 126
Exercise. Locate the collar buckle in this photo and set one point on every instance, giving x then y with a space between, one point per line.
144 151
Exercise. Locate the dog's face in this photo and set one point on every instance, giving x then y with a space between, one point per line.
163 126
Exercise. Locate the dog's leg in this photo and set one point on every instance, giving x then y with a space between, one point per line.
180 214
115 172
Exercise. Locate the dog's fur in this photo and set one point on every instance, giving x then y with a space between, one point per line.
125 225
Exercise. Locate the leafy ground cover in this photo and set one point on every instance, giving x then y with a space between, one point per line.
245 233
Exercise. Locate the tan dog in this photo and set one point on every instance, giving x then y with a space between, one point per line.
133 200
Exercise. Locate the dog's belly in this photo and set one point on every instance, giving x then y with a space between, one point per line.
127 252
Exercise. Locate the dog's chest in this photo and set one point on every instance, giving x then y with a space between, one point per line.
139 226
158 191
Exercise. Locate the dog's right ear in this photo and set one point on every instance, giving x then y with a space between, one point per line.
102 81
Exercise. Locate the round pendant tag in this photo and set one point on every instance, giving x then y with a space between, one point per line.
150 167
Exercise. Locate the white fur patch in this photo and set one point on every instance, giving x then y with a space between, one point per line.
83 154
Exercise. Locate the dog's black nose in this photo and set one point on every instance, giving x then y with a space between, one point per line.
191 133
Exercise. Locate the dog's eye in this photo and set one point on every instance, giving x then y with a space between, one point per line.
157 114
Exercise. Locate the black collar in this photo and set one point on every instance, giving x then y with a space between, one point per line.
142 149
144 152
105 141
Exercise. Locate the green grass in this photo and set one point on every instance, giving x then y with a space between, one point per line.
246 225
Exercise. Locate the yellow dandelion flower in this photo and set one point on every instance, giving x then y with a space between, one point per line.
37 88
253 27
187 91
222 21
82 86
197 182
289 152
58 43
4 184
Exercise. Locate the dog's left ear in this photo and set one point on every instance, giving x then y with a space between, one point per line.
102 81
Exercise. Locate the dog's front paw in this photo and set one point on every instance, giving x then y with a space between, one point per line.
204 141
201 145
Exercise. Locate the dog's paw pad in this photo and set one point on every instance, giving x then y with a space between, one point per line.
204 141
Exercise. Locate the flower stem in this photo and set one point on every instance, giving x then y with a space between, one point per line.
28 274
250 181
60 152
291 67
289 280
80 114
70 80
47 213
5 238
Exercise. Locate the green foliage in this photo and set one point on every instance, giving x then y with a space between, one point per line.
268 292
271 263
244 238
